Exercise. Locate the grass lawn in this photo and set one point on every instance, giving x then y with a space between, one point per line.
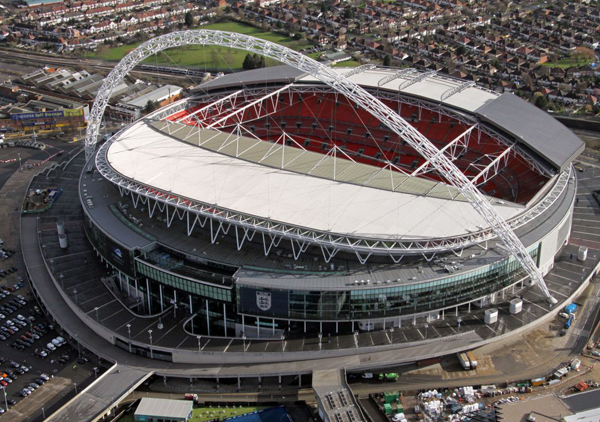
347 63
206 57
203 414
569 62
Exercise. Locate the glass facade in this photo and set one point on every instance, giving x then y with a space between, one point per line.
390 301
183 284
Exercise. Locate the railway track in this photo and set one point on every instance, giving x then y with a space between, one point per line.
44 59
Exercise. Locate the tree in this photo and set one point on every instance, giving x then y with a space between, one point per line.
253 61
387 60
150 107
461 50
541 101
189 19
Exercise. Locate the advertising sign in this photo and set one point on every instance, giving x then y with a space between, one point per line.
47 114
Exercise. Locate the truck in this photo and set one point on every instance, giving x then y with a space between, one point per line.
190 396
472 360
569 322
570 309
536 382
464 361
390 376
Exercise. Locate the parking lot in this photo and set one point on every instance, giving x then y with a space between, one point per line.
27 349
60 365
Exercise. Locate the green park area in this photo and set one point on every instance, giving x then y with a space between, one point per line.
568 62
204 57
204 414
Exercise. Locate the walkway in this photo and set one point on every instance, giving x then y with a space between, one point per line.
95 401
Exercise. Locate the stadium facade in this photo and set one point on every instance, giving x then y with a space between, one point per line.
279 206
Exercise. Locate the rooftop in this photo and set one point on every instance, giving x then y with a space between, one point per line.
160 408
319 203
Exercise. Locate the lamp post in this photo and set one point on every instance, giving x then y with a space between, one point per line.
283 342
97 317
150 334
356 339
75 388
459 320
244 338
426 327
75 294
391 334
320 337
129 335
5 402
43 413
199 338
62 280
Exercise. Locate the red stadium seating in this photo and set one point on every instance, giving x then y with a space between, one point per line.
318 121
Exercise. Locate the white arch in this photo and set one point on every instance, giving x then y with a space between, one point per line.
340 83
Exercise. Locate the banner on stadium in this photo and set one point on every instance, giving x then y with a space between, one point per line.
265 302
47 114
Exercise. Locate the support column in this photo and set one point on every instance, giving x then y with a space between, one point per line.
336 327
258 326
162 305
273 326
456 314
321 327
304 326
243 323
469 307
191 310
120 281
148 293
239 383
299 380
136 289
443 314
208 324
225 319
280 381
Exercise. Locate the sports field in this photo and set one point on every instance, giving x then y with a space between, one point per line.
206 57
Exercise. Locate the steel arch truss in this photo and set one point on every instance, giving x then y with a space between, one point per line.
345 87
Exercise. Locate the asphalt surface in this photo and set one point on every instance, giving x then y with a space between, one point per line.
583 401
63 373
27 154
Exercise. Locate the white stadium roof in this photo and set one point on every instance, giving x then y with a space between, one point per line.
156 159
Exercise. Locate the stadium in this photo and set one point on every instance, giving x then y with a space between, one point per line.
269 204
